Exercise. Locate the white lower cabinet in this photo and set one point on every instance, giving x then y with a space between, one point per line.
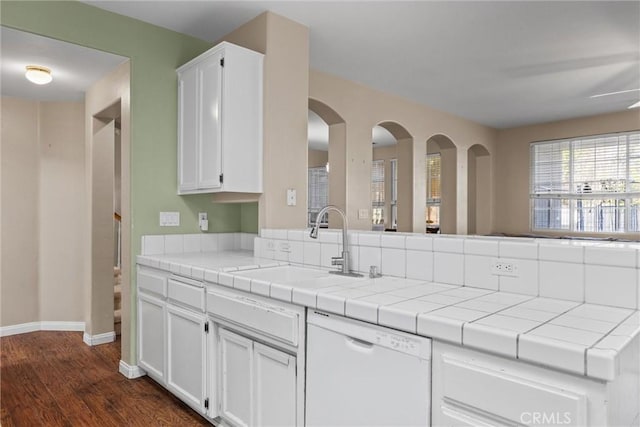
274 387
235 367
473 388
152 336
257 384
186 356
172 335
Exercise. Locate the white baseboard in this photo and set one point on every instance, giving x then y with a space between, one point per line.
130 371
62 326
24 328
105 338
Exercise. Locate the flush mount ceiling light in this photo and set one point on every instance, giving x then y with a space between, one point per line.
636 105
38 74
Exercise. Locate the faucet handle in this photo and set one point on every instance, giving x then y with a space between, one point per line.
373 272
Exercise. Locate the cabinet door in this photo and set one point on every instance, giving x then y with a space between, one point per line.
235 373
186 356
274 384
151 336
188 134
210 154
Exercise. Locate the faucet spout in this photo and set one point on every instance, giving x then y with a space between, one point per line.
342 261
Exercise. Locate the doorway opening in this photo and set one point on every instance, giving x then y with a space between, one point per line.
106 216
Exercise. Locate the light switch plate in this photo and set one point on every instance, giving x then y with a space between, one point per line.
291 197
169 219
363 213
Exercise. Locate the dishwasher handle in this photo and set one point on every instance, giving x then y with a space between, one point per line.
358 344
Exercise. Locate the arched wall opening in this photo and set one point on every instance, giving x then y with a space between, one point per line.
327 148
392 168
479 190
441 188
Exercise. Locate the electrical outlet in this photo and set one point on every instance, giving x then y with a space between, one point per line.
363 213
203 222
271 245
503 267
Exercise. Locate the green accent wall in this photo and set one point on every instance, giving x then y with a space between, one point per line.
155 53
249 217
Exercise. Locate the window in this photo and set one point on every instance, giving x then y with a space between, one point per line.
377 194
434 190
394 193
589 184
318 194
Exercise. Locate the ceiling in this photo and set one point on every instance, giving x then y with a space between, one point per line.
502 64
74 68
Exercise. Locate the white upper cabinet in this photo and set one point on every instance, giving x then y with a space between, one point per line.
220 122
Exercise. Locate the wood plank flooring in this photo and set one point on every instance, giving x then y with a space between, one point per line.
52 378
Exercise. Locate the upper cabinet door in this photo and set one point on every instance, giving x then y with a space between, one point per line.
210 149
220 122
188 101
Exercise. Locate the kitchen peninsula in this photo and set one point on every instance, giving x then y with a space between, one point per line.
548 349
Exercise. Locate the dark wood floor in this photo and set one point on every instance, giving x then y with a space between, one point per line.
52 378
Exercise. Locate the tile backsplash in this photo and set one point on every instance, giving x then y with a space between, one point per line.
574 270
163 244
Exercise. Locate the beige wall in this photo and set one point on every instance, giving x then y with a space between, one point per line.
286 95
20 220
480 191
42 176
511 207
362 108
61 202
317 158
105 100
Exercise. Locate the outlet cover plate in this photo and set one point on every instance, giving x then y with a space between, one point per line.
505 267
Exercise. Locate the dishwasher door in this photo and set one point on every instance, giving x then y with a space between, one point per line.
360 374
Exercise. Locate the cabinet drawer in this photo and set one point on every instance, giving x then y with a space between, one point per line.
509 396
271 320
151 282
190 295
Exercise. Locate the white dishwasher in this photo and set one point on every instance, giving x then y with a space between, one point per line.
359 374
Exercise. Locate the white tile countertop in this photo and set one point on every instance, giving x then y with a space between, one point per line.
581 338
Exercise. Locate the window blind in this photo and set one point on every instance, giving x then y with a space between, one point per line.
377 195
434 172
318 193
377 182
394 193
589 184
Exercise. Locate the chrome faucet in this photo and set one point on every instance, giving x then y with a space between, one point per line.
342 261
